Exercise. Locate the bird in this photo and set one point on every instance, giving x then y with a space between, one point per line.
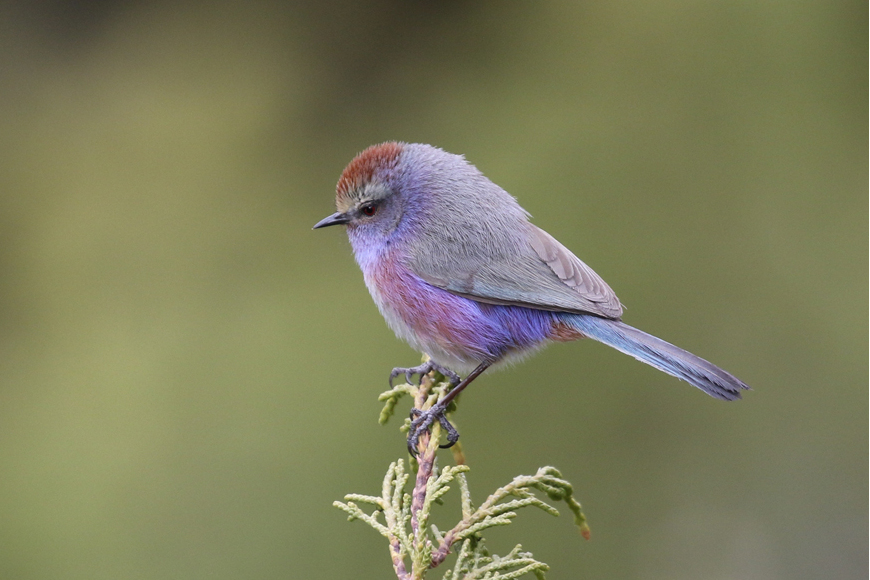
458 270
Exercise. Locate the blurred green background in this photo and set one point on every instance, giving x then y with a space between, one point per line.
188 373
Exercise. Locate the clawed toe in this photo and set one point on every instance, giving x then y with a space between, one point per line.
421 422
409 373
399 371
422 370
452 433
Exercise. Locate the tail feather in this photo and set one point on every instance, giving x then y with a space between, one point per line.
661 355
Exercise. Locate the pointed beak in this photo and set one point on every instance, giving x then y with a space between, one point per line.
333 220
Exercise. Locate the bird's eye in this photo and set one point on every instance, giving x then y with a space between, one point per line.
369 209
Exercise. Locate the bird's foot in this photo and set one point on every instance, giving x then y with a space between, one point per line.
421 421
422 370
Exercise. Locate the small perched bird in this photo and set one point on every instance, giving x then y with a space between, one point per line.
458 271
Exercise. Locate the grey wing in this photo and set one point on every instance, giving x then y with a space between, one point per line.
537 272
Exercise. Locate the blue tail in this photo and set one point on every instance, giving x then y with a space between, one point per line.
660 354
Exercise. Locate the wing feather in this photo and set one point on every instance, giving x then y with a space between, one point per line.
532 270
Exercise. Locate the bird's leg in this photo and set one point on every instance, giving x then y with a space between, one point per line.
421 370
421 421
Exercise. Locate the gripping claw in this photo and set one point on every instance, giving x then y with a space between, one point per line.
421 421
422 370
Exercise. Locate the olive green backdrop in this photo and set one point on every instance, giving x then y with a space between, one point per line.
188 373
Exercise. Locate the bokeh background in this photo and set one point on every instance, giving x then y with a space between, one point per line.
188 373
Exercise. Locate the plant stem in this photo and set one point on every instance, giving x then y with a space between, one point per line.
427 448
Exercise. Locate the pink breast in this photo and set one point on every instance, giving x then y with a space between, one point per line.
430 318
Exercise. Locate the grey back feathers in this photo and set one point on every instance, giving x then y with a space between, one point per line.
472 238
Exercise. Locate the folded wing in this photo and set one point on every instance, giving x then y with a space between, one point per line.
530 269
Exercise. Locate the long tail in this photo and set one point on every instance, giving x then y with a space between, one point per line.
660 354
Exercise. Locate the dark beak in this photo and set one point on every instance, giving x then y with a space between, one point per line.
333 220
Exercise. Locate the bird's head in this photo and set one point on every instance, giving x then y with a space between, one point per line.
430 200
368 196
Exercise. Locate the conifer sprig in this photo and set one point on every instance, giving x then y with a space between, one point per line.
402 517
